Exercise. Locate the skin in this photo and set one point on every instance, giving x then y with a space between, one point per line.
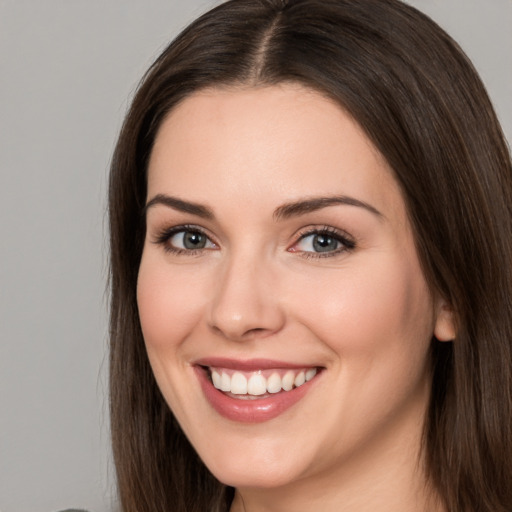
258 289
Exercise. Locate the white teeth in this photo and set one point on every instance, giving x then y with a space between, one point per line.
288 379
310 374
274 383
217 380
225 383
300 379
238 384
256 384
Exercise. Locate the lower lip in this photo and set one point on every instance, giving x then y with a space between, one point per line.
250 410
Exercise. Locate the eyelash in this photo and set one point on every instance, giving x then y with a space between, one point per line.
166 234
344 239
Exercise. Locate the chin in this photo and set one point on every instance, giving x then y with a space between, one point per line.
242 476
254 468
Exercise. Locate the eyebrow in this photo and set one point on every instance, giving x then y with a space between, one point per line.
180 205
285 211
302 207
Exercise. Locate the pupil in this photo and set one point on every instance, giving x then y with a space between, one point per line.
324 243
194 240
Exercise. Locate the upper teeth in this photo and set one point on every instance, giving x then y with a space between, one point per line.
255 383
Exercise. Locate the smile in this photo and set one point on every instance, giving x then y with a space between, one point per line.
254 391
259 382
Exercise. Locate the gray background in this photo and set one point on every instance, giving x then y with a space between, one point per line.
68 68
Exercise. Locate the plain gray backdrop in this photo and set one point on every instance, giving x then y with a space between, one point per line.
67 71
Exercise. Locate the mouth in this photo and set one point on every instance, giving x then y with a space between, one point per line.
254 391
260 383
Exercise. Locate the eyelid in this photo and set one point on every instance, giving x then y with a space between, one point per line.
347 241
163 236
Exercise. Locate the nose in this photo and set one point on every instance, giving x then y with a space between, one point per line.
245 303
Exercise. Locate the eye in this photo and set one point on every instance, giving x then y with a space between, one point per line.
323 242
184 240
189 240
319 242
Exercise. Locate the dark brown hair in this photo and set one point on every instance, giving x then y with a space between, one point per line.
420 101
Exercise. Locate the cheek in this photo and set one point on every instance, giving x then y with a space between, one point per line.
376 310
377 323
169 303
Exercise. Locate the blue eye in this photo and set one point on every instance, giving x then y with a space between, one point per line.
323 243
318 242
190 240
184 240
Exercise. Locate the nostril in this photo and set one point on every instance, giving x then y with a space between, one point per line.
256 330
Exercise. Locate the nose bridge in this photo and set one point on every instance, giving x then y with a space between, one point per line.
244 303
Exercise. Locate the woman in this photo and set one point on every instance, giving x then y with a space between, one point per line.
310 208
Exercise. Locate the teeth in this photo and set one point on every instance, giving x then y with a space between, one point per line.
300 379
225 382
217 380
238 384
255 383
310 374
288 379
274 383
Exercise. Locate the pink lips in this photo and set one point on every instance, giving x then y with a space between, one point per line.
248 410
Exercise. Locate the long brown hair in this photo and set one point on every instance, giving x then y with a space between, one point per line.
420 101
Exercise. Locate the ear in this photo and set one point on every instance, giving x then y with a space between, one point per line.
444 328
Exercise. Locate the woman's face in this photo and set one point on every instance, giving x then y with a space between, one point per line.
279 262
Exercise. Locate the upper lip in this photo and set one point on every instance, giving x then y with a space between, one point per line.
249 364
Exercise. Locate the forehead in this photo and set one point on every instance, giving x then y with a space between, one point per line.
268 144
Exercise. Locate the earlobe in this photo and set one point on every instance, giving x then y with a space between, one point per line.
444 329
